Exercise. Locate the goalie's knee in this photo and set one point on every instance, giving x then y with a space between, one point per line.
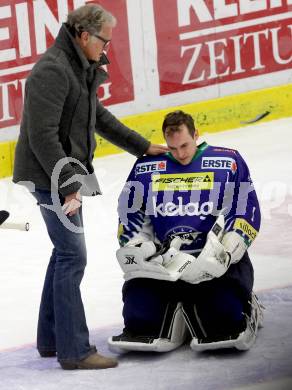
144 308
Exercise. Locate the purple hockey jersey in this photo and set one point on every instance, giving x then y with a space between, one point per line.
163 198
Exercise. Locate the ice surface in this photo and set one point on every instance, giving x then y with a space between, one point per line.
267 148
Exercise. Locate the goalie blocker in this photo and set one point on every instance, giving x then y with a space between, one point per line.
4 215
178 320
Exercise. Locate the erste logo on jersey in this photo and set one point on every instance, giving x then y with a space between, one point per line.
148 167
219 163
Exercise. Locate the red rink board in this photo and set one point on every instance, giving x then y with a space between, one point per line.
198 46
18 55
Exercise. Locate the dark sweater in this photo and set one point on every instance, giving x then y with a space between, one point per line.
61 115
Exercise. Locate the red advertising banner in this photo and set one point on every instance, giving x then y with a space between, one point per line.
206 42
28 28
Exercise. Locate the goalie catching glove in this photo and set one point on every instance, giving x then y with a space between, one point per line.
216 256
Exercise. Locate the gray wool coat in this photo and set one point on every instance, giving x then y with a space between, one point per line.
60 117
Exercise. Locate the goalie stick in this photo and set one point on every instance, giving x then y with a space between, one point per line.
23 226
256 119
4 215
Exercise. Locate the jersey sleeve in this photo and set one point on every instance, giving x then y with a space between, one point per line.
244 216
134 225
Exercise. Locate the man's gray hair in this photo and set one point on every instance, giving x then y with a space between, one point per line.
90 18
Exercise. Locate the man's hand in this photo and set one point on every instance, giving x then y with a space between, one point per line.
72 204
155 149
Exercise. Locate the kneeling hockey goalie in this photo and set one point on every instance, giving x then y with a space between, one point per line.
187 219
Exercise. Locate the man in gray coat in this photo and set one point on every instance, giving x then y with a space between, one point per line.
54 157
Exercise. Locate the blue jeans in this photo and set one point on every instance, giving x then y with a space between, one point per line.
62 323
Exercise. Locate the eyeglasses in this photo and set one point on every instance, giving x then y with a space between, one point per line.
106 42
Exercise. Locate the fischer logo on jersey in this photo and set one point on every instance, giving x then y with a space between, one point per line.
190 209
183 181
155 166
219 163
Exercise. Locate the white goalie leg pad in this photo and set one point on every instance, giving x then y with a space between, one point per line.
172 335
257 309
244 340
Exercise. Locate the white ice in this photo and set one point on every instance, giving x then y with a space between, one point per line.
267 148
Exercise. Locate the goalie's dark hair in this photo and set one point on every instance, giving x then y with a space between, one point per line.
174 119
